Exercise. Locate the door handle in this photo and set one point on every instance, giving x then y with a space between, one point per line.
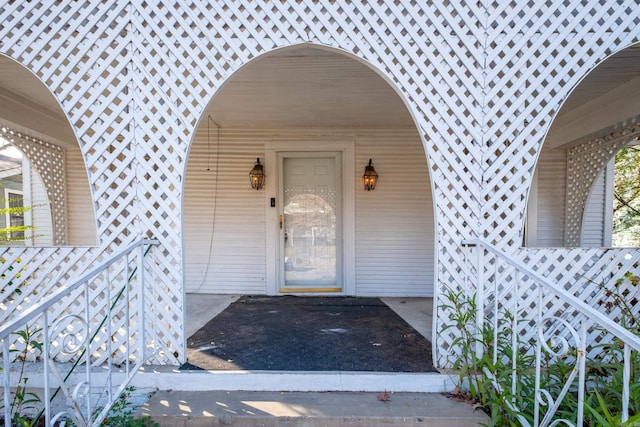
280 222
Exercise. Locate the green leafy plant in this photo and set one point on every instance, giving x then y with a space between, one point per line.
14 206
25 402
626 194
16 276
122 413
481 379
604 417
606 372
487 381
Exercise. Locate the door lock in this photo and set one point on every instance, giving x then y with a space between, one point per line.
280 222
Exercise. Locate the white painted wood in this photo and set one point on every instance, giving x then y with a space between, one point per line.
551 190
584 163
531 220
315 88
41 214
224 225
81 221
608 202
597 220
26 187
482 81
593 219
599 116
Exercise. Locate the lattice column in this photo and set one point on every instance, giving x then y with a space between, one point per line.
49 162
584 162
535 54
82 52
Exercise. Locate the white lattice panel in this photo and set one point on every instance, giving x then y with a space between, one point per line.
483 82
30 274
84 313
535 55
584 273
584 162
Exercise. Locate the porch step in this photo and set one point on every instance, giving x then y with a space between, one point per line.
308 409
170 378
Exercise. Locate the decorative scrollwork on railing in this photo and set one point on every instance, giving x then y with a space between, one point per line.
71 333
60 419
558 346
88 396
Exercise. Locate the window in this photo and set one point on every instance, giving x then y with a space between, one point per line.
14 217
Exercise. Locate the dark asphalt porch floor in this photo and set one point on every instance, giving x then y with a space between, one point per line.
294 333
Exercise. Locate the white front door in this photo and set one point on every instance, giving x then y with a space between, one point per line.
310 222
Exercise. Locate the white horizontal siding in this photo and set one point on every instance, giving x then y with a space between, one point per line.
81 220
224 230
394 223
552 172
593 220
41 213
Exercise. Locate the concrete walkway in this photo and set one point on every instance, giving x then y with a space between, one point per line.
295 409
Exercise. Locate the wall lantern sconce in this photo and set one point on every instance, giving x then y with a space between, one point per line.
370 177
256 176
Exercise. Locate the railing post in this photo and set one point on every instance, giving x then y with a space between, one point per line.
626 379
537 391
582 368
479 285
7 382
109 337
142 308
45 356
514 336
87 353
127 362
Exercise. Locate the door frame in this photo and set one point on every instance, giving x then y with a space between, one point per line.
336 157
272 190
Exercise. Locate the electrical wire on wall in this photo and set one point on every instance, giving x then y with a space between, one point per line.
215 190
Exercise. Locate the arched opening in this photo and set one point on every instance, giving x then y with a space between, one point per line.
313 117
612 210
25 218
36 136
626 196
571 199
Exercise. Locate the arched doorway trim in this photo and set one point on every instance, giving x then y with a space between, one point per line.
584 162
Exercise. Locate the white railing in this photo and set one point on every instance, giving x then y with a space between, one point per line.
517 301
108 317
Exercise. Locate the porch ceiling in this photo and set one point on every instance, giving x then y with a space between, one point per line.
607 99
311 87
27 103
308 88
